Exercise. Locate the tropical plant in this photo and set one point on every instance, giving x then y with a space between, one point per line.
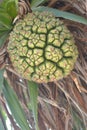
42 83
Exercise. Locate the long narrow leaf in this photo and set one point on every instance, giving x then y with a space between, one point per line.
3 29
33 90
2 10
1 126
3 118
3 38
35 3
15 106
5 18
62 14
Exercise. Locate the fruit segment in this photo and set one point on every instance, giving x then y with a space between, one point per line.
41 48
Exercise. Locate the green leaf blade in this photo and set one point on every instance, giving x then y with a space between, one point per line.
63 14
33 90
5 19
15 106
35 3
11 8
3 38
8 12
3 117
78 123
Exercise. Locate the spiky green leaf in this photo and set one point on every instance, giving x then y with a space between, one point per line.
63 14
33 91
15 106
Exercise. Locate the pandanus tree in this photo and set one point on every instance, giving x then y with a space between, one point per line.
43 73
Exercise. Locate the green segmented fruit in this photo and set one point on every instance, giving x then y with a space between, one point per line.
41 48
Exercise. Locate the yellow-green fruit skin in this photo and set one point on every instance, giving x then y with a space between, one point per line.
41 48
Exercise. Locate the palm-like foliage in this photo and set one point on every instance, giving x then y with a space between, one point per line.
62 104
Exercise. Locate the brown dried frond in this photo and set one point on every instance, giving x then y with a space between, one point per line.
23 9
3 56
76 6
